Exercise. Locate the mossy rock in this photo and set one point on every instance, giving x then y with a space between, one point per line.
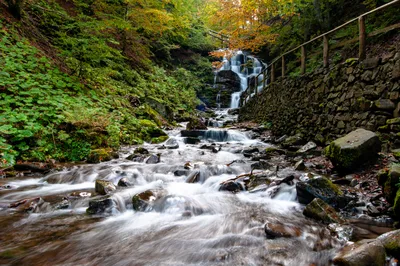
323 189
396 206
159 139
196 123
382 176
391 242
103 187
321 211
354 149
101 155
390 187
396 153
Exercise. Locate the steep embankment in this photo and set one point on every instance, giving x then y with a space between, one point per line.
77 76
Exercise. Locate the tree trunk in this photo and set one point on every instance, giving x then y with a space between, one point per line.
15 7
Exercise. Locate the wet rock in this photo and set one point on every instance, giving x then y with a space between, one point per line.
278 230
321 211
292 141
153 159
261 165
139 158
141 150
372 210
287 180
196 123
309 146
250 151
101 155
300 166
354 149
231 186
103 187
191 140
322 188
172 143
391 242
26 205
181 172
193 133
363 253
194 177
100 205
63 204
144 200
124 182
83 194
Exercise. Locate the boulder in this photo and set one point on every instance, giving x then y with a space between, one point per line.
321 188
390 184
153 159
141 150
391 242
233 111
363 253
124 182
354 149
278 230
104 187
321 211
145 199
293 141
231 186
101 155
181 172
261 165
139 158
100 205
196 123
171 143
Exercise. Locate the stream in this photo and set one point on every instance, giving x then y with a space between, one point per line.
186 224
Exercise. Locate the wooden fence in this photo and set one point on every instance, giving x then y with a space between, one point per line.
362 38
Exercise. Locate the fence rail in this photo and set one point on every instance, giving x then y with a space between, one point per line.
362 39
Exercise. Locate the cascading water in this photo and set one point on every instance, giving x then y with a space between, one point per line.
190 221
246 67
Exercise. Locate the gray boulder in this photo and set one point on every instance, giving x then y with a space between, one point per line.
153 159
353 149
100 205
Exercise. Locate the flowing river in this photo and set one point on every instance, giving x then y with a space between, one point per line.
189 224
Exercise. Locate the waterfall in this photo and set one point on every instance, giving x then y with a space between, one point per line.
245 67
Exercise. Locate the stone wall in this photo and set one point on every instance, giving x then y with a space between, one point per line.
331 102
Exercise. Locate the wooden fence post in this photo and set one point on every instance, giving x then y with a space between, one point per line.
283 66
264 78
362 38
273 72
303 60
326 52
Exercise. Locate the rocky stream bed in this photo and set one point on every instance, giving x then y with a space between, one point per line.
232 196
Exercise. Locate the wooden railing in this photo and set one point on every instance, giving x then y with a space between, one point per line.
362 38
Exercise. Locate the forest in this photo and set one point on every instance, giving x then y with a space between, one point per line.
200 132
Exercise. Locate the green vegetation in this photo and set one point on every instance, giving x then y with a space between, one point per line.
76 76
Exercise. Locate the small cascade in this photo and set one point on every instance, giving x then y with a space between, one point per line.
245 67
218 100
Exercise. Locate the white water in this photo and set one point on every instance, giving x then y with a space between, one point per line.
190 224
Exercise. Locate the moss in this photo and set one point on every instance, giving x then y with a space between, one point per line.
159 139
101 155
343 160
396 205
393 121
270 150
